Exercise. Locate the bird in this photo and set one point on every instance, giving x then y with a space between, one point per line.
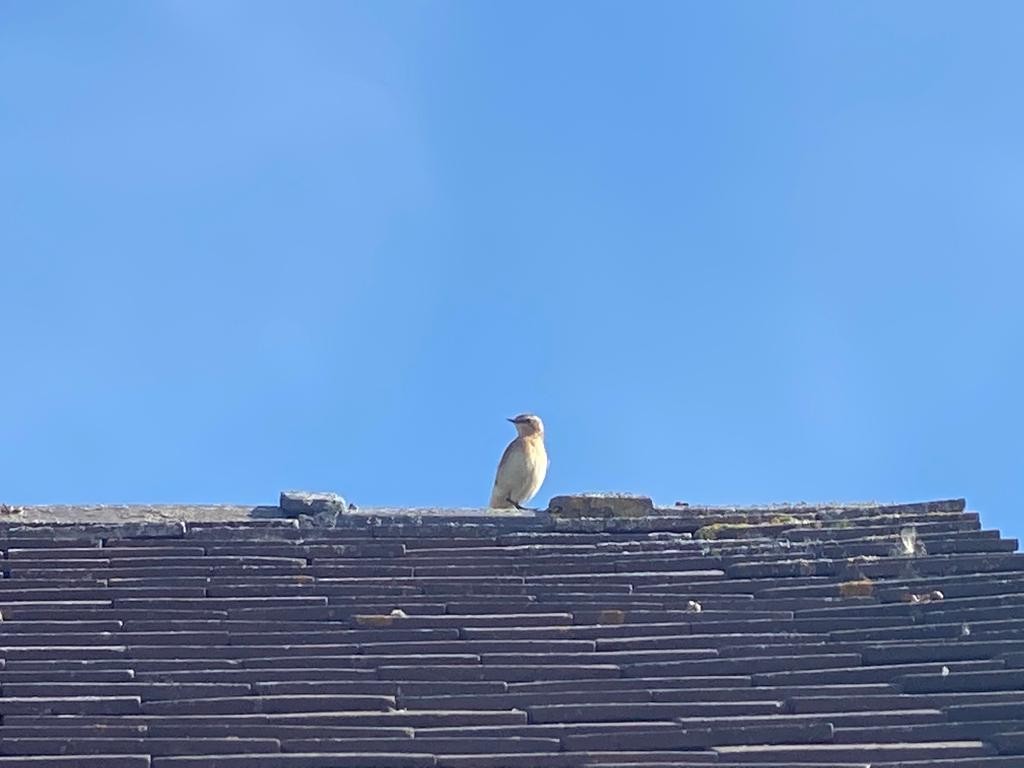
523 465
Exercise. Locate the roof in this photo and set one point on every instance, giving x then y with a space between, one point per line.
604 631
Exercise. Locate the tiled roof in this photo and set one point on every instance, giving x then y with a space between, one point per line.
605 633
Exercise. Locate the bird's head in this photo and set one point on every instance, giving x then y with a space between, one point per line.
527 424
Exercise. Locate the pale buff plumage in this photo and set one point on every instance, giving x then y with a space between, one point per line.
523 465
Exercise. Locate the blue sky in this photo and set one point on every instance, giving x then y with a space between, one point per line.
730 251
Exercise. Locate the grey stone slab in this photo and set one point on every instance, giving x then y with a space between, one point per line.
606 561
825 753
686 758
56 676
352 550
22 610
390 719
222 603
518 700
616 613
30 542
524 760
384 605
1014 660
450 660
742 666
838 719
454 688
590 713
136 746
509 673
487 620
654 523
795 733
81 731
315 687
310 583
669 763
59 627
77 761
958 586
68 705
1002 680
365 760
58 553
1010 742
974 614
147 691
833 624
664 642
222 728
286 530
783 568
548 730
143 720
972 730
269 704
762 693
110 528
489 647
245 632
99 612
896 701
773 650
170 673
633 683
417 719
243 652
326 569
957 762
881 673
633 578
452 745
12 653
322 613
873 635
948 651
65 665
118 639
1000 711
621 658
181 665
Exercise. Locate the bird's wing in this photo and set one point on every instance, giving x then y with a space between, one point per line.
511 471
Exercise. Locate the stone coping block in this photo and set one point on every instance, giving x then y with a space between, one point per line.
601 505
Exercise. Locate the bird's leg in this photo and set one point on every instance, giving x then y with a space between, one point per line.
520 507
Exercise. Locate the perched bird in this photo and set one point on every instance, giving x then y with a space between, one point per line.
523 465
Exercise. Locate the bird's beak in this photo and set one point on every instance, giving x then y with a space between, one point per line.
512 420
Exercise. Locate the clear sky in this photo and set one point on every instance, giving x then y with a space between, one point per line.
729 251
